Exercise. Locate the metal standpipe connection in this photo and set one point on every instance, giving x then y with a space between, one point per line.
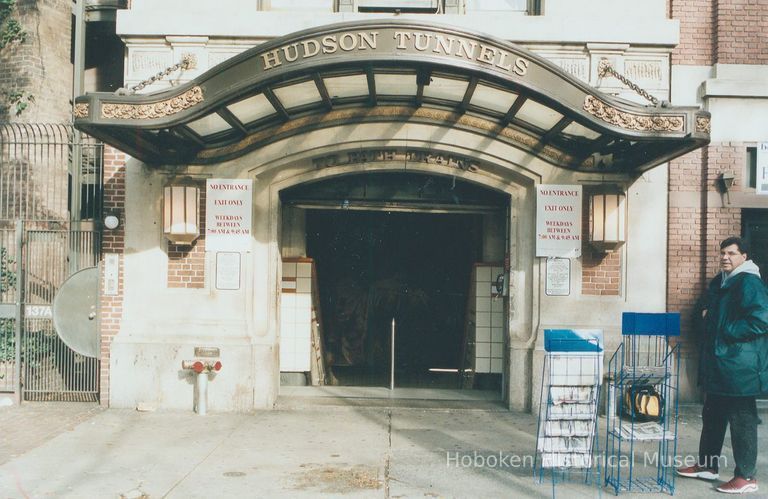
202 369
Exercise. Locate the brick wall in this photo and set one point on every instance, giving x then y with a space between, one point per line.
741 32
722 221
600 272
696 229
697 29
723 31
686 275
685 231
111 307
41 66
686 173
186 263
711 31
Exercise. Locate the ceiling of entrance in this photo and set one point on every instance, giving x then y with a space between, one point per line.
395 191
390 71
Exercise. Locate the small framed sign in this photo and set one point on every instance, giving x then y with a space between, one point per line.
761 175
227 270
558 277
111 274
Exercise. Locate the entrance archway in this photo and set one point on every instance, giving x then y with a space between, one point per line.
404 250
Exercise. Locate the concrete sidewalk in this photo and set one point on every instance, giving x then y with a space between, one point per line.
300 450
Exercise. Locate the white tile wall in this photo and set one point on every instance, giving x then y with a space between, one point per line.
303 269
482 365
483 334
483 319
489 321
296 317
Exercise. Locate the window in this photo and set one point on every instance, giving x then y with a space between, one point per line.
531 7
416 6
752 166
498 5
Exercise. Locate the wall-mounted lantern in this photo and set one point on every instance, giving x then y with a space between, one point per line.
181 213
608 214
727 179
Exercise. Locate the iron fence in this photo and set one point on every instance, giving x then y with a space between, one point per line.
49 172
50 204
8 298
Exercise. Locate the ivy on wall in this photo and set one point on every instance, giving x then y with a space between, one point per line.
11 33
10 28
7 330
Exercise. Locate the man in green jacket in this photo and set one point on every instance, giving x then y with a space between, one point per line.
733 367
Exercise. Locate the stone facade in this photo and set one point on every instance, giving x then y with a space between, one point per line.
154 325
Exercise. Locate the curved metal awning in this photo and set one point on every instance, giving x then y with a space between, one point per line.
391 70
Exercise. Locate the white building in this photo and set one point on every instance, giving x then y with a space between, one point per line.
392 152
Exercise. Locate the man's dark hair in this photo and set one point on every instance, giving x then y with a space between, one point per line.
739 242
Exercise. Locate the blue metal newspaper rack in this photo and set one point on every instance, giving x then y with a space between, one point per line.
567 426
642 408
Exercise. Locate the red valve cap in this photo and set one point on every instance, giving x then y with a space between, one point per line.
217 366
198 367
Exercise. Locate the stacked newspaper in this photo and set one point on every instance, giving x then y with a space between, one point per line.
650 375
569 428
644 431
571 394
565 460
579 445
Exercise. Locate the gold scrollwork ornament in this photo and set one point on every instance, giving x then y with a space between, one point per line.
160 109
630 121
81 110
703 124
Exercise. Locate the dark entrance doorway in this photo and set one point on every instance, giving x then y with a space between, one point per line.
402 246
376 266
755 229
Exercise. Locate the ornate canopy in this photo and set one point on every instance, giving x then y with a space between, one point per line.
390 70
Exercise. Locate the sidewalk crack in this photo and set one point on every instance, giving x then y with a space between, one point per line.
204 459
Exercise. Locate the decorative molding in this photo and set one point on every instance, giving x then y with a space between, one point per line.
151 111
703 124
81 110
575 66
640 69
144 62
629 121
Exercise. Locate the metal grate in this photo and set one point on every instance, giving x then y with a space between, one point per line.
50 190
40 164
52 371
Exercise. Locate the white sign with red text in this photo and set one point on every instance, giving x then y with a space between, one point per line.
558 221
228 207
